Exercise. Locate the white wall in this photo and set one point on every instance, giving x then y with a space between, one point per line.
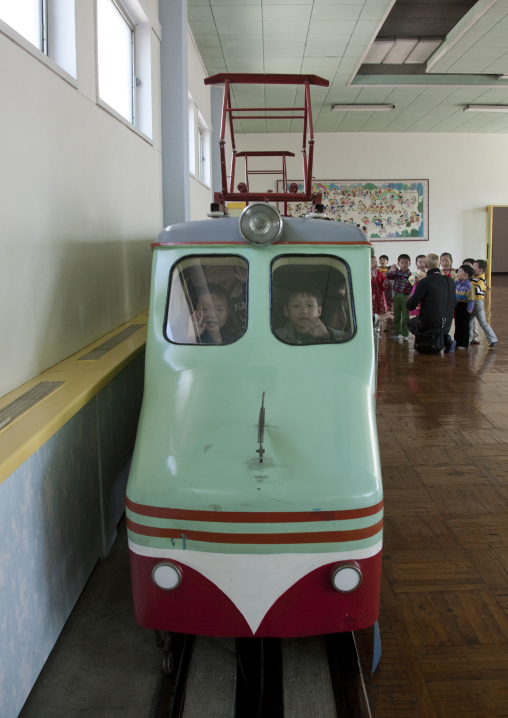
465 173
81 200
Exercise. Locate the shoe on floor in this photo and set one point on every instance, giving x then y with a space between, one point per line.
405 339
462 348
396 337
451 348
491 346
475 341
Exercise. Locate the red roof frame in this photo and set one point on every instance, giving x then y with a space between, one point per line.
229 114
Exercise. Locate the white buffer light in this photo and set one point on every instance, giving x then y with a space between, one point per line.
346 577
167 575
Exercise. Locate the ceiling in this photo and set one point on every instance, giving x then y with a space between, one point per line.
331 38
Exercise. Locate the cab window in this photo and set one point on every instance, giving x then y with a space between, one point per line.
207 300
311 300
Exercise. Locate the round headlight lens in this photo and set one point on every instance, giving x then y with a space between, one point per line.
260 224
167 575
346 578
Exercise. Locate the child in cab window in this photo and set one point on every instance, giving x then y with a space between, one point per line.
303 310
206 323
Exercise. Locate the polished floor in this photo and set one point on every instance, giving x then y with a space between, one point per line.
443 424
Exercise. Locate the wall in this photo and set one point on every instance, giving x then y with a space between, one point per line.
200 194
81 201
58 516
465 173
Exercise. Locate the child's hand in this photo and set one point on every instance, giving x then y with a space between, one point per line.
316 329
241 274
393 268
197 325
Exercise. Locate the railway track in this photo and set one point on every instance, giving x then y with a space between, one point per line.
316 677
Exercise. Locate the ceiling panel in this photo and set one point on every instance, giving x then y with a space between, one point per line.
201 13
330 38
337 12
240 28
237 12
283 12
214 3
243 64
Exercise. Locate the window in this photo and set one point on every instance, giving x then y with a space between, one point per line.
26 17
124 62
311 300
48 25
203 151
115 45
207 300
192 136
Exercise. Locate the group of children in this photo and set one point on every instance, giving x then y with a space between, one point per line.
391 287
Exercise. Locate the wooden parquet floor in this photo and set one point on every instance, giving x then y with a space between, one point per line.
443 433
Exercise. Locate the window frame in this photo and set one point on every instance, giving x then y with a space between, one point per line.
350 296
168 296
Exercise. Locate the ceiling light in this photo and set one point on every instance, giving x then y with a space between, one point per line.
423 50
401 50
363 108
378 51
486 108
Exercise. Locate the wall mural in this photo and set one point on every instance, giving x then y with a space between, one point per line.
385 209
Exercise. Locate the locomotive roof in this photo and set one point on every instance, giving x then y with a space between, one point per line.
225 231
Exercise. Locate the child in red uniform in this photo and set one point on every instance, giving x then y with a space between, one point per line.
446 261
383 268
378 284
421 272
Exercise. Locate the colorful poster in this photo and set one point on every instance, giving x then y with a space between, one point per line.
385 209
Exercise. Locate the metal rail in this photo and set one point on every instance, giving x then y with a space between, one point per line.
315 677
170 694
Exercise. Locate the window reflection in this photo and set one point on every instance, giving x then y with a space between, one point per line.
207 300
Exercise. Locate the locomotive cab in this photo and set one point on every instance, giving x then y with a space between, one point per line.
254 502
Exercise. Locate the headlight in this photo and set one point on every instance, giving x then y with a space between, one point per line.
346 577
260 223
167 575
